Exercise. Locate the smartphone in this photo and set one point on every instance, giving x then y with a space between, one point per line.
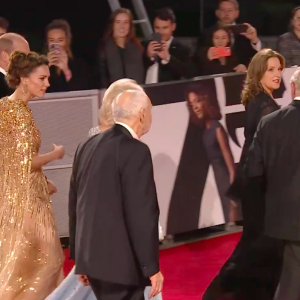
222 51
238 28
54 47
156 37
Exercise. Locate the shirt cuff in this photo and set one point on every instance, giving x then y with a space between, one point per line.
164 62
256 46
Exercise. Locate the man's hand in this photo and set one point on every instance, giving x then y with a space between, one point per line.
84 280
164 54
240 68
251 33
153 49
51 188
157 281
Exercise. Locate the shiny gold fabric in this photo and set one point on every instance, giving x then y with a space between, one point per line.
31 257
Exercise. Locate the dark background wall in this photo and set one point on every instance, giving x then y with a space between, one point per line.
89 17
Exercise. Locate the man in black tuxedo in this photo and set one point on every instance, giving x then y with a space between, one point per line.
113 207
168 60
274 160
245 45
9 42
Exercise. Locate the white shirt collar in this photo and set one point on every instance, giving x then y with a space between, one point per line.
297 98
134 135
3 71
169 42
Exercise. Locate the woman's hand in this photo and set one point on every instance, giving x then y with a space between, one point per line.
51 188
63 61
212 53
53 58
58 151
240 68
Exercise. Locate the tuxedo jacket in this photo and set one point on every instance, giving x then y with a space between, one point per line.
113 209
274 159
4 88
179 67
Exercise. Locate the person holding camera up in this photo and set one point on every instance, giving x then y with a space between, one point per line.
65 70
220 58
165 58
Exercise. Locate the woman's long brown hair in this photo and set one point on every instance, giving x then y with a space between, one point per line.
131 36
256 70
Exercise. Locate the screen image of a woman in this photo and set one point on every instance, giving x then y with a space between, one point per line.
217 148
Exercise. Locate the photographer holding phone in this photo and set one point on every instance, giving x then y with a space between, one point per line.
243 37
220 57
67 73
165 58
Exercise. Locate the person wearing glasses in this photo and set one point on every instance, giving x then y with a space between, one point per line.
289 43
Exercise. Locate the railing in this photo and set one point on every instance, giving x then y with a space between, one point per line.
185 179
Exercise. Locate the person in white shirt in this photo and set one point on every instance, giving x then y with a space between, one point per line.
168 60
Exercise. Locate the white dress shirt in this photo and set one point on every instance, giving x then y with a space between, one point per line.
152 73
297 98
134 135
3 71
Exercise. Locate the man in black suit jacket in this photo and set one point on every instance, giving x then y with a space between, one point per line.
113 207
245 45
169 60
274 159
9 42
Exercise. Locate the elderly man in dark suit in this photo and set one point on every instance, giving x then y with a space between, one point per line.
113 206
274 160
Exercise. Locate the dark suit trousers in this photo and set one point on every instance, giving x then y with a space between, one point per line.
289 287
113 291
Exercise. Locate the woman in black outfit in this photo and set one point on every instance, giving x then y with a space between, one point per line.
207 60
253 270
121 53
66 72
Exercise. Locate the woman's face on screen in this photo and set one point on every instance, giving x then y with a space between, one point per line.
272 78
199 105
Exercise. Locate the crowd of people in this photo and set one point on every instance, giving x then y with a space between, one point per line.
113 207
225 47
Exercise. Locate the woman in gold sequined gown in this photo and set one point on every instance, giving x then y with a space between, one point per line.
31 256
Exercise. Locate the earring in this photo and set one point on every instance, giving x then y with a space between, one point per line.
25 89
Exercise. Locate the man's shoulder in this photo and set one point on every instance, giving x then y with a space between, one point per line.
277 115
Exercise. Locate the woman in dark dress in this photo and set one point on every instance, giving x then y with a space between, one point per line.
253 270
215 141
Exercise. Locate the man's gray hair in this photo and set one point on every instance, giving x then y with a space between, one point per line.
296 80
115 89
128 104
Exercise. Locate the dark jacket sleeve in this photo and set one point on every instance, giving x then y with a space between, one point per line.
141 208
254 164
72 207
181 64
103 70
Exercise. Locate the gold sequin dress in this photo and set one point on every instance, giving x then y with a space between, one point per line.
31 256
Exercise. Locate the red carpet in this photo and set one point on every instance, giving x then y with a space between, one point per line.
188 269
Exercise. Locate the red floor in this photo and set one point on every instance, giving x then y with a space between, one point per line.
188 269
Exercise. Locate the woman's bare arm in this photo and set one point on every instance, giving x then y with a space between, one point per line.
224 145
